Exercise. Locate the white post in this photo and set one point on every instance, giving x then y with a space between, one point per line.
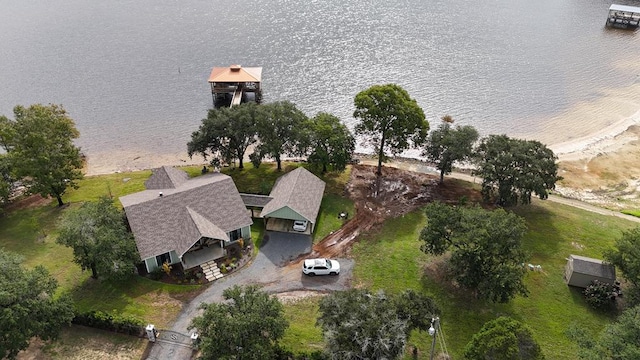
151 333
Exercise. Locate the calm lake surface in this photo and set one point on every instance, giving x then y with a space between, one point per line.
133 75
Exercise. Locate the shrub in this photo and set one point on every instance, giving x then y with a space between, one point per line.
117 323
602 296
166 268
223 268
156 274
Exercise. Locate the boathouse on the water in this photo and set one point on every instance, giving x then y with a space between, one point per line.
230 85
623 16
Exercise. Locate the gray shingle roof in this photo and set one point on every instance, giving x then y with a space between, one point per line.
593 267
255 200
166 177
205 206
300 190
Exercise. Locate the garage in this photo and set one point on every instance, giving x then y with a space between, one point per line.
295 203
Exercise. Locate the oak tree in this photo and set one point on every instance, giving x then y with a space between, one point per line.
247 325
617 341
28 305
358 324
503 339
281 132
447 145
39 143
226 133
98 235
485 246
331 142
389 120
513 169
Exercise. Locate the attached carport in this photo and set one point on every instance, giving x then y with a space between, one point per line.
296 195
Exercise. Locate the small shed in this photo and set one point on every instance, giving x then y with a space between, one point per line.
580 271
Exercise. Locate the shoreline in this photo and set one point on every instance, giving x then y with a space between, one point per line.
607 140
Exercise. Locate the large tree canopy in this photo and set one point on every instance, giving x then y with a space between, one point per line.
40 146
246 326
513 169
281 131
226 133
617 341
28 307
447 145
100 240
486 251
358 324
626 257
6 180
331 142
503 339
389 120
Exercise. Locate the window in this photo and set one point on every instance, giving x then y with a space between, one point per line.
161 259
235 235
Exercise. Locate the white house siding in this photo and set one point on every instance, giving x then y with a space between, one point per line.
246 232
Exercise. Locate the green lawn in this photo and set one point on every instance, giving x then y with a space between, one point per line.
302 334
391 260
635 213
32 233
388 259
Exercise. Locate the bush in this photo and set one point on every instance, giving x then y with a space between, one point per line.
124 324
156 274
602 296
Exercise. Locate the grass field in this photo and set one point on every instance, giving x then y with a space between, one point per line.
31 232
388 259
391 260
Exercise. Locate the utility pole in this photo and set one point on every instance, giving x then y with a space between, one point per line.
433 331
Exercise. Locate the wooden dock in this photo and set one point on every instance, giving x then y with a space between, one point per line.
623 16
230 85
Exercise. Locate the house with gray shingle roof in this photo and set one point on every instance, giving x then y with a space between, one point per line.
580 271
296 195
187 221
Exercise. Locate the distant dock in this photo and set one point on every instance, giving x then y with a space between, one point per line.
232 85
623 16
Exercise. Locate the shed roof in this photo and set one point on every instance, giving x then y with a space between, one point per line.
593 267
235 73
616 7
300 190
205 206
254 200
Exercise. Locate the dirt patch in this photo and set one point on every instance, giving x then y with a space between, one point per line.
28 202
293 296
395 193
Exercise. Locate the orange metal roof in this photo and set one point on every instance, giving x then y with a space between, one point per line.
235 73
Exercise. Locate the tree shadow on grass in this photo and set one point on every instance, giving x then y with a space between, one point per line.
148 300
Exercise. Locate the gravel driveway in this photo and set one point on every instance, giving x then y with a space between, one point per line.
271 270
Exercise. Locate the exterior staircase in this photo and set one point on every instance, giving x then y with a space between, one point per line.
211 271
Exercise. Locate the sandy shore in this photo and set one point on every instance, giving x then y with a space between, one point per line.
597 143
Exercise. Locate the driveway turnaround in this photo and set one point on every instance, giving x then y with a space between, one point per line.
271 270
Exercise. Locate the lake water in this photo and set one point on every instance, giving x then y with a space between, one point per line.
133 75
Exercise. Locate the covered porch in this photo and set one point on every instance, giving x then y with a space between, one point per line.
197 257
